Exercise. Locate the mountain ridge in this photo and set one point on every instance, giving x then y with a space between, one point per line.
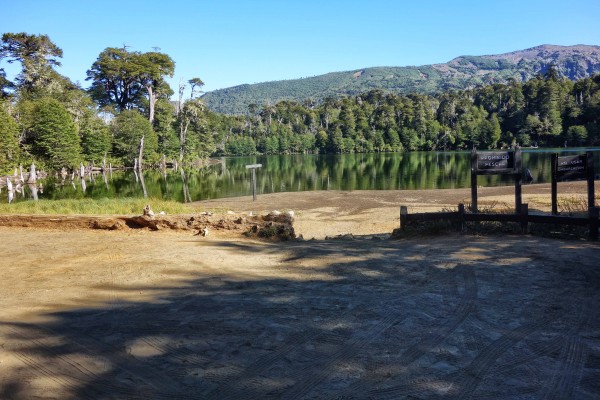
462 72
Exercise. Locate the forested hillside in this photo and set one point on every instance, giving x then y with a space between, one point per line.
466 72
546 111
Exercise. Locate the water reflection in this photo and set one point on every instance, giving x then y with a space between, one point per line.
419 170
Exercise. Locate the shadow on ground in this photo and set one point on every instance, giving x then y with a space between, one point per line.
449 317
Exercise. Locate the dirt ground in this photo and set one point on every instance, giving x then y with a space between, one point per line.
140 314
324 214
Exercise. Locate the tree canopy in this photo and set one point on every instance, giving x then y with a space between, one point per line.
121 78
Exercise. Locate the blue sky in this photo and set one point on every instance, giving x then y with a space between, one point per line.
229 42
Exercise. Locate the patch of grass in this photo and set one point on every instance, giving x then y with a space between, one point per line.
574 206
104 206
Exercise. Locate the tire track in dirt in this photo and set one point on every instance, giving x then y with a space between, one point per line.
573 355
251 379
377 376
572 352
103 383
467 380
568 374
319 373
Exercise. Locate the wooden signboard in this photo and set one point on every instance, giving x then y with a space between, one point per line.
572 168
496 163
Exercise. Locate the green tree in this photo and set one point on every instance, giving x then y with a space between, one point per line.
9 139
56 141
37 55
121 78
96 139
5 84
114 79
128 129
153 67
191 114
576 135
195 86
164 126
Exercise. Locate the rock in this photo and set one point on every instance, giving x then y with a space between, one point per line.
107 224
202 232
148 212
277 216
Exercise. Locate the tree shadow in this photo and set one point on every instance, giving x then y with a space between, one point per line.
439 318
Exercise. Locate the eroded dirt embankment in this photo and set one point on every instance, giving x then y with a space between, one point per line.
272 225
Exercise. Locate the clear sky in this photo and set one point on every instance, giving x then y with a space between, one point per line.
231 42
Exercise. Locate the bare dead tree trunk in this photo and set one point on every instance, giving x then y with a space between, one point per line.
180 103
9 189
141 153
143 183
183 128
32 174
34 191
152 101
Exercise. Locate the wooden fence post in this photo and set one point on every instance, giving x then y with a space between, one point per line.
590 179
554 162
518 172
461 216
403 216
593 214
474 180
523 217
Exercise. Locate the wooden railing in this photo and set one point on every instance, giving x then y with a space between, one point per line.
523 218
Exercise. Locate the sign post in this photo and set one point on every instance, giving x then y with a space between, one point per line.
572 168
496 163
253 168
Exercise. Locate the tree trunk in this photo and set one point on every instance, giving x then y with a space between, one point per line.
152 102
141 153
182 138
32 174
180 102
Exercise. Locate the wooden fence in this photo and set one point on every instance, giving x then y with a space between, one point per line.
523 218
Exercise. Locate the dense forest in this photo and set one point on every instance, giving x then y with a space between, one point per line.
46 119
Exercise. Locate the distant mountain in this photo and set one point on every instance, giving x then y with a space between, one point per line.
574 62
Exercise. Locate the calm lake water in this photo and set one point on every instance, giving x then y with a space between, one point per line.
290 173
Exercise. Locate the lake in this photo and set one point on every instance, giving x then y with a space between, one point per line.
290 173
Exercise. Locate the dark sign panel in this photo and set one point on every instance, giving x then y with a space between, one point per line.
571 167
496 161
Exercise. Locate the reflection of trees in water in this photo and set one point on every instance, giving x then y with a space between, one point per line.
373 171
186 191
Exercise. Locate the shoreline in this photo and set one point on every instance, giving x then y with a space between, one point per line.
319 214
